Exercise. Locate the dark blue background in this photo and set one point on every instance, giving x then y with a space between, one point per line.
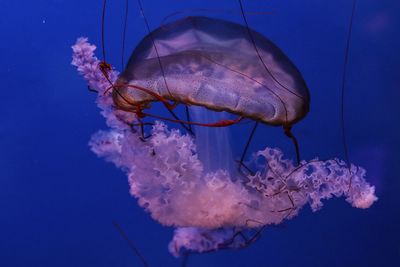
58 200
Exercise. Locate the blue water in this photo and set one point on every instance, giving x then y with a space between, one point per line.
58 200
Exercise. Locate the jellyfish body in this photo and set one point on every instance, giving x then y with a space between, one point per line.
213 63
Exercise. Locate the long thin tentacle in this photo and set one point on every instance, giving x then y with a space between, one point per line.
131 245
343 87
124 34
288 132
241 163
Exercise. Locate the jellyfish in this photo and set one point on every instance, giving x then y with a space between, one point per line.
222 67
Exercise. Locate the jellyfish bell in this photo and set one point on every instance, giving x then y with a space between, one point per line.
212 63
